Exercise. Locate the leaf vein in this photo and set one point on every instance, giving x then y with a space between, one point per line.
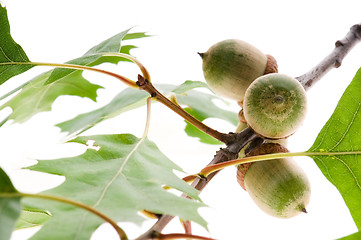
107 186
118 172
2 51
351 172
348 128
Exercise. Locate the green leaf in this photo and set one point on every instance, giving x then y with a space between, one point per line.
32 218
202 107
342 134
9 207
189 85
126 100
195 132
36 97
39 94
130 99
355 236
124 176
10 51
94 56
135 35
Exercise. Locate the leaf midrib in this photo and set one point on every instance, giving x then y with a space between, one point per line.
120 170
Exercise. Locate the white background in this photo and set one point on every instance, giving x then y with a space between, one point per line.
297 33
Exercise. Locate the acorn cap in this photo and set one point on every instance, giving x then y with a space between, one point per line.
272 66
263 149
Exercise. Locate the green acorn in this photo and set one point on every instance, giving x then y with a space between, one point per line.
230 66
279 187
275 105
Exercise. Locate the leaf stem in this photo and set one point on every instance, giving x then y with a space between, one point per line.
148 87
187 179
216 167
187 225
123 79
144 71
119 230
147 124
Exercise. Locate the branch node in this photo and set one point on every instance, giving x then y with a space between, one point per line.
356 29
141 81
201 176
337 63
339 43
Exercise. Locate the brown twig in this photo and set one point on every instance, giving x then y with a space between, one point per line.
147 86
334 59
